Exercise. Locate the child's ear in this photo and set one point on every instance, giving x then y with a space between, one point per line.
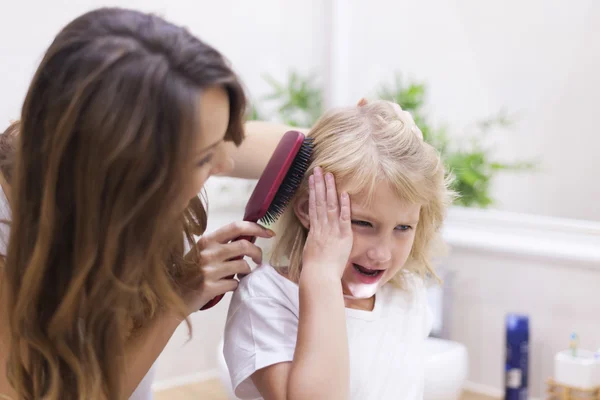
301 210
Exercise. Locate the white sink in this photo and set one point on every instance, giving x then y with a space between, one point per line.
446 369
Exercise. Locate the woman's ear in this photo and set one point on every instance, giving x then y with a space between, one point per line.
301 210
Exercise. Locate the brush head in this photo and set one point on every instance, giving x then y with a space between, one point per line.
280 179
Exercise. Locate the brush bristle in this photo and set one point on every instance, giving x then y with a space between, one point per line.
290 183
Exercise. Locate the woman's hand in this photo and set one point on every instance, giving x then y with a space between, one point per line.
217 264
329 240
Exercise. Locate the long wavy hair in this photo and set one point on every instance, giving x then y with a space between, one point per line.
96 244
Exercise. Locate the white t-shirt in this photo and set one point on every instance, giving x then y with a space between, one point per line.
386 344
144 389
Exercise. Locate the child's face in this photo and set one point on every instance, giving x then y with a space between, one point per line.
384 232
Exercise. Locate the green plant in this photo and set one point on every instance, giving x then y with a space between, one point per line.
299 102
470 159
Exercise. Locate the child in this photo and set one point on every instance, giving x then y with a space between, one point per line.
343 313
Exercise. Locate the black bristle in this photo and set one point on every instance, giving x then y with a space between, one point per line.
290 183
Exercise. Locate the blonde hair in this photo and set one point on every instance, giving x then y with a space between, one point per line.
362 146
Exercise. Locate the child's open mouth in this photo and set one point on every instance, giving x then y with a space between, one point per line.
368 275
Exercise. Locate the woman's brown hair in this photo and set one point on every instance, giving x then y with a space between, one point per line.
96 237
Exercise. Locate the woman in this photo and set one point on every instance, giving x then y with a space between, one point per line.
126 118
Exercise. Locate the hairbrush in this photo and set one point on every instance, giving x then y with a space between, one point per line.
277 185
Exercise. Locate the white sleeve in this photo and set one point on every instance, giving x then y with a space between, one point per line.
260 331
422 295
5 218
428 320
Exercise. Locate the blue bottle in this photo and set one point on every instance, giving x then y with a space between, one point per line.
517 357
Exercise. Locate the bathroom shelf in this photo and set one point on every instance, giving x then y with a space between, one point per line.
557 391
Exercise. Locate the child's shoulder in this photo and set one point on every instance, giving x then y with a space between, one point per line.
410 301
413 290
266 282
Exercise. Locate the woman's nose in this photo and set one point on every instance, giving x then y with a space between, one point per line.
225 166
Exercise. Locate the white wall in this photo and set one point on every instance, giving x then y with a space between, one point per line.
261 36
537 58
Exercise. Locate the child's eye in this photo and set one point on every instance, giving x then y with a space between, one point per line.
361 223
403 228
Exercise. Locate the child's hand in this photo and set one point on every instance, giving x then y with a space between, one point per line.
329 240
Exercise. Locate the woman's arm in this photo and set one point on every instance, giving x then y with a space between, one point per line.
217 260
143 349
252 156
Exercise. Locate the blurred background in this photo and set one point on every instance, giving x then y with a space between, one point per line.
506 90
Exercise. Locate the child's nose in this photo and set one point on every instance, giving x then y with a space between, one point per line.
380 252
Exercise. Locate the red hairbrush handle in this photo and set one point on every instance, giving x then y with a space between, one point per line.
217 299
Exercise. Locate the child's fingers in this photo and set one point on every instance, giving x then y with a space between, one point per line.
345 219
320 196
332 198
312 203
